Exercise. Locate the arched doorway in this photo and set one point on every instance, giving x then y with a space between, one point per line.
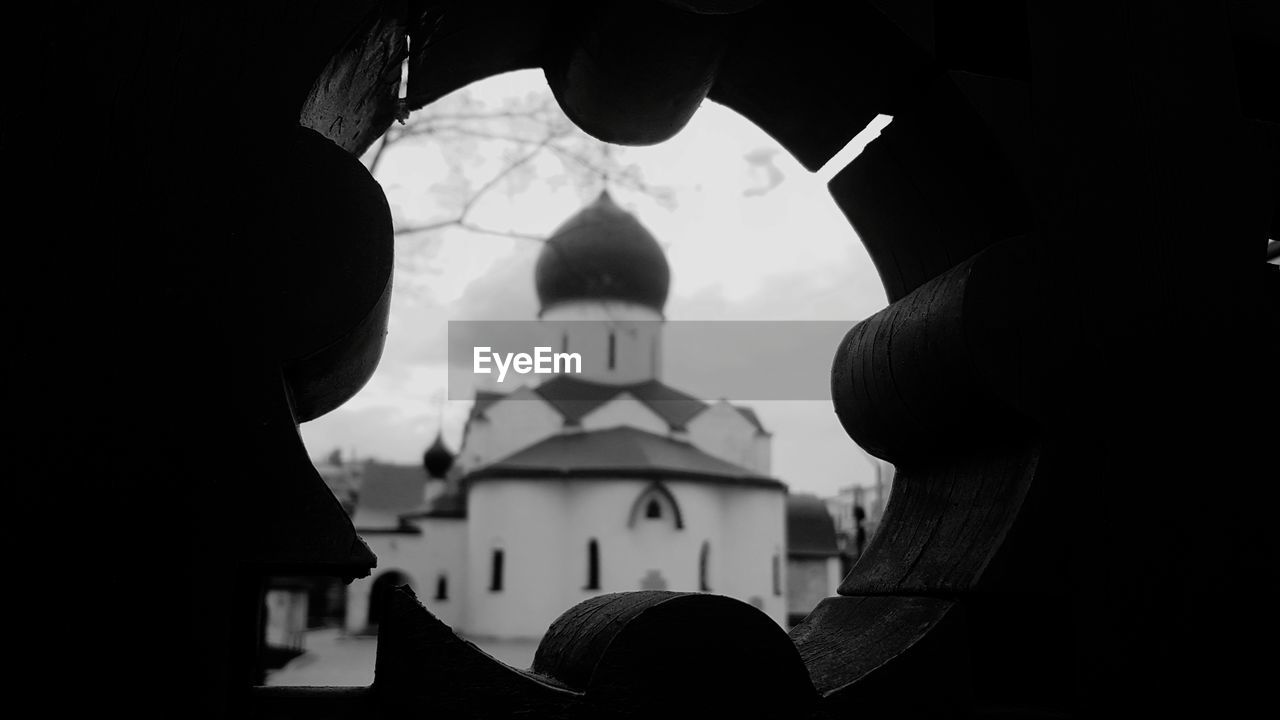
378 594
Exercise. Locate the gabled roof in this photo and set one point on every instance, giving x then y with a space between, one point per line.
484 398
676 407
810 530
621 452
751 417
574 399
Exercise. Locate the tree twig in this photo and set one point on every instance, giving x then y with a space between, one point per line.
469 227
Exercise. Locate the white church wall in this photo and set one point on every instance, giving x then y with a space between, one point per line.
638 552
755 528
586 326
396 552
544 528
526 520
722 431
512 423
624 411
443 554
440 549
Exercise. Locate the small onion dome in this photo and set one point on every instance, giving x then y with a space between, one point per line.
437 459
602 253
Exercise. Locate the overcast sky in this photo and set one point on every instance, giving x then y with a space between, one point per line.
749 234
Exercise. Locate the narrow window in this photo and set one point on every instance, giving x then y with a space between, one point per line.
593 565
704 559
777 575
564 342
653 510
442 587
613 351
495 577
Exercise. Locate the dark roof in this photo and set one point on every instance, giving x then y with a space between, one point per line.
386 491
449 504
621 452
670 404
751 417
342 483
484 398
389 487
602 253
810 530
574 398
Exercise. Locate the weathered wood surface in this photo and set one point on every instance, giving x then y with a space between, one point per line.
653 654
336 287
356 96
875 642
312 703
946 524
626 655
633 71
453 44
907 383
156 425
935 187
814 74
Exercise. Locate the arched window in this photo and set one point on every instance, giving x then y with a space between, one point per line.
593 565
495 571
655 502
442 587
613 350
704 561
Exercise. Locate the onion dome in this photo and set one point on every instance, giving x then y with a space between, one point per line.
437 459
602 253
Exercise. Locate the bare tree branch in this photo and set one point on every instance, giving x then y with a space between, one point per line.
529 128
470 227
506 171
461 220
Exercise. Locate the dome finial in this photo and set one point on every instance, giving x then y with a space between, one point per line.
606 155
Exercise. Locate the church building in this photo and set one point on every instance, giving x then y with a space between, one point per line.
602 481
